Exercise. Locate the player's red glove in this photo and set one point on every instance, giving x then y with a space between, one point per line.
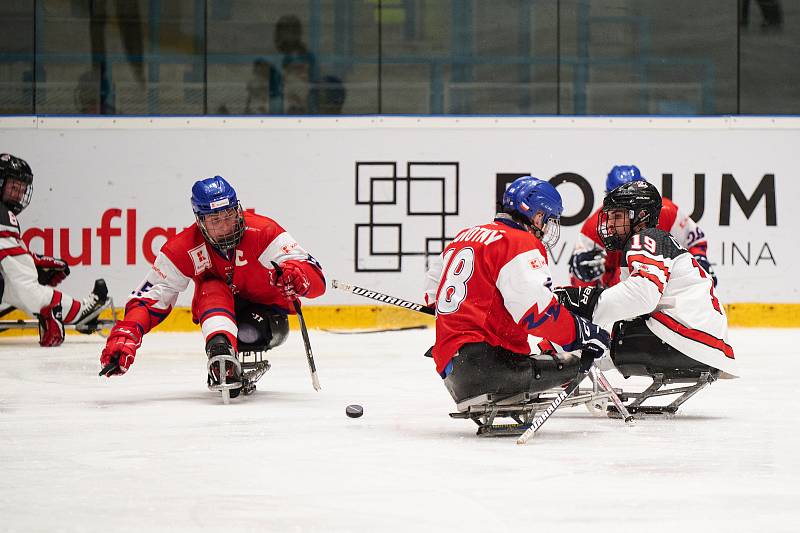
123 341
51 270
292 280
51 325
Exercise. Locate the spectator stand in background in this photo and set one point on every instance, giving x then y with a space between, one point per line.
298 67
330 95
263 89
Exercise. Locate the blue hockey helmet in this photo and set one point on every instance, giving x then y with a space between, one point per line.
214 199
622 174
526 197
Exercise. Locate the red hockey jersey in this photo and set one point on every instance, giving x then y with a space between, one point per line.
492 284
247 271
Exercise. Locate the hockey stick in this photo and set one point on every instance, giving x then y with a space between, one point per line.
623 411
380 297
309 355
572 386
304 330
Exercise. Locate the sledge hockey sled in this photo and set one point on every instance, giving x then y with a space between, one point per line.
640 353
486 409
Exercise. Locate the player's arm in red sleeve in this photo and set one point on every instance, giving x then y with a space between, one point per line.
147 307
301 274
152 301
525 283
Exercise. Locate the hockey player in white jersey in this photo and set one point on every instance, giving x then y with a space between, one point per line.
27 279
665 317
592 264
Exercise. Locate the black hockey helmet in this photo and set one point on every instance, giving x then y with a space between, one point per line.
16 183
642 203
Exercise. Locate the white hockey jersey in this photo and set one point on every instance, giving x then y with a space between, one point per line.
661 279
670 219
20 279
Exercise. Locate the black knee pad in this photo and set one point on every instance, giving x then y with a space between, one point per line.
261 328
637 351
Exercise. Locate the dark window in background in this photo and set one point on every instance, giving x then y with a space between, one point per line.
516 57
287 58
16 57
127 57
468 57
648 57
770 57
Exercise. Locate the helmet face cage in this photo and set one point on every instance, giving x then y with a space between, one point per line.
16 183
223 217
615 240
15 193
550 233
640 201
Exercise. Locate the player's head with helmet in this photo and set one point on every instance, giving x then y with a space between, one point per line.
621 174
628 209
535 204
16 183
218 212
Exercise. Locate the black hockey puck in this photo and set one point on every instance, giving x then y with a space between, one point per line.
354 411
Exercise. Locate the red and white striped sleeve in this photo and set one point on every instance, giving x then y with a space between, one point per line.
525 283
648 256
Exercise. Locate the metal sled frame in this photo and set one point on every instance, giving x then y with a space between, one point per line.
655 389
522 408
88 325
253 367
222 385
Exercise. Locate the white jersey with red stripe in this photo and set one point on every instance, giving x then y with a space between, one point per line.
671 219
492 284
20 278
661 279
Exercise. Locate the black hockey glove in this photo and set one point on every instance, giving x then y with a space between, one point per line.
579 301
588 266
593 339
705 265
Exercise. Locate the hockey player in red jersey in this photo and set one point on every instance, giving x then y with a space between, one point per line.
247 270
592 264
491 288
27 280
667 320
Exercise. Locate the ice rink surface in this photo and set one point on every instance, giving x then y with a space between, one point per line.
154 450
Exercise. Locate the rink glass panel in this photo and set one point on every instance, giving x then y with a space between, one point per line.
443 57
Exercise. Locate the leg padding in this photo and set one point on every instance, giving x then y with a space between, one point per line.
261 328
